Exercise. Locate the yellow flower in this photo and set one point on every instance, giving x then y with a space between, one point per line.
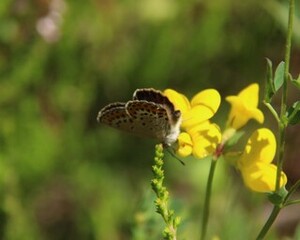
200 137
261 177
205 138
185 145
244 107
255 164
201 108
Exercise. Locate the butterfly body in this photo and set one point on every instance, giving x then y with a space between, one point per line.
149 114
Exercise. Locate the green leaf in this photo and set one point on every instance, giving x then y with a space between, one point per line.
293 113
296 82
269 92
279 76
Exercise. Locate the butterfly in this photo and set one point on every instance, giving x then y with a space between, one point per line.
149 114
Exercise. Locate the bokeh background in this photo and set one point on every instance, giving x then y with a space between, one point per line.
63 176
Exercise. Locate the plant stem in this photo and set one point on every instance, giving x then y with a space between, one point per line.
291 191
272 110
276 210
292 202
283 122
268 224
206 207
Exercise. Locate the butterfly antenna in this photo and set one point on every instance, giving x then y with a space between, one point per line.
173 155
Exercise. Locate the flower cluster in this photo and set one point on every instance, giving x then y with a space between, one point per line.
201 137
259 174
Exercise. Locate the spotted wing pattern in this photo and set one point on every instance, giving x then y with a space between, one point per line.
149 114
155 96
150 119
112 114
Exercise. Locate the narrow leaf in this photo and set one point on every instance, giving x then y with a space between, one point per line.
296 82
269 91
293 113
279 76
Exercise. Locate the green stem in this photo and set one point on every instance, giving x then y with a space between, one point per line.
283 122
273 111
206 207
268 224
292 202
291 191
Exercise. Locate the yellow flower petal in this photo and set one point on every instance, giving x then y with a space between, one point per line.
257 115
261 177
179 100
244 107
250 95
261 147
209 98
204 106
197 115
205 138
185 145
255 162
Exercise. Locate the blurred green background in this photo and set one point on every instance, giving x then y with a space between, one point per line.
63 176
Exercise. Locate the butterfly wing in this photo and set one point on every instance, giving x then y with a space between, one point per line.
112 115
141 118
149 119
152 95
109 107
155 96
149 114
